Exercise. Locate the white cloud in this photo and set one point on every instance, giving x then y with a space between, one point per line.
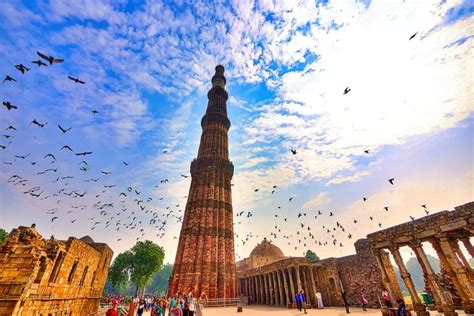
320 199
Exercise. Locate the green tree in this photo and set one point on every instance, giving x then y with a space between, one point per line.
313 257
119 272
3 236
159 284
137 266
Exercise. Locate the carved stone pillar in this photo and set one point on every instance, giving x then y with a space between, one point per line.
292 285
458 270
389 279
298 279
265 284
275 289
307 290
465 263
468 245
262 289
313 286
280 287
285 285
432 279
418 306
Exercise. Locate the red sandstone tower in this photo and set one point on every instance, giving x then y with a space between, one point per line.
205 260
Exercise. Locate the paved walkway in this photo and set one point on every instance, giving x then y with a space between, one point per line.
256 310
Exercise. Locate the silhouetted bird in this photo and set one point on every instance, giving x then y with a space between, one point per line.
39 63
8 78
9 106
66 147
84 153
413 36
10 127
35 122
293 151
346 90
95 112
50 59
391 180
64 130
76 80
22 68
366 151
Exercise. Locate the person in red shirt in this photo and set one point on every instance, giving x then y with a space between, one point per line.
113 311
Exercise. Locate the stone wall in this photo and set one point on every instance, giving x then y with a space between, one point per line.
51 277
359 273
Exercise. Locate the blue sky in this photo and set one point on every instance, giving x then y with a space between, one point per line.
147 67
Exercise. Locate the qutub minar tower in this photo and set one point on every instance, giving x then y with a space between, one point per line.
205 260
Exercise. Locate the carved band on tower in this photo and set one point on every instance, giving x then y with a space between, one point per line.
205 260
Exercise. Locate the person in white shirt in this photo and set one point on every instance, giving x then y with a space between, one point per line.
320 300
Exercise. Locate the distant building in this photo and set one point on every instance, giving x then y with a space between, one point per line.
51 277
268 277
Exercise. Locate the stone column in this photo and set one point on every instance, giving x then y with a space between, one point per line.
306 288
313 285
418 306
267 296
262 289
468 245
292 285
298 279
389 278
432 279
465 263
280 287
461 274
275 289
285 284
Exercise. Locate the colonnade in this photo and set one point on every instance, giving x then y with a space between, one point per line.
453 261
278 287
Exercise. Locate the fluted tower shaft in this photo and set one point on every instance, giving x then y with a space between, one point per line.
205 260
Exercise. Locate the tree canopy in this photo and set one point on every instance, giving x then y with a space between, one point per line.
159 284
3 236
137 266
312 256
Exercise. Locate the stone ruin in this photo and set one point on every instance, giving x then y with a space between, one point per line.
51 277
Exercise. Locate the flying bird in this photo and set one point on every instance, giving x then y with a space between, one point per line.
8 78
66 147
95 112
50 59
55 217
366 151
413 36
64 130
10 127
391 180
22 68
38 123
9 106
39 63
84 153
293 151
76 80
346 90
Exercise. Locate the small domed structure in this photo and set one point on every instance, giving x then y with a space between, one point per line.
267 249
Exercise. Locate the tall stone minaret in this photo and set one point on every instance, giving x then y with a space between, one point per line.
205 260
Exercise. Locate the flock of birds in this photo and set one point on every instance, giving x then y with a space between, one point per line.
124 208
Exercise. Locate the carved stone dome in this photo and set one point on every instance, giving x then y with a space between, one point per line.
267 249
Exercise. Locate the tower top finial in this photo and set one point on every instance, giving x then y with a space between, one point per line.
218 80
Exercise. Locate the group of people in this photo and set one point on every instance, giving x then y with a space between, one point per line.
177 305
401 308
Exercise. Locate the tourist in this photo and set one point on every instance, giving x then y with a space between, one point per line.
401 307
202 300
185 306
303 300
386 298
141 307
175 307
346 305
298 300
113 311
132 306
363 301
320 300
192 304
